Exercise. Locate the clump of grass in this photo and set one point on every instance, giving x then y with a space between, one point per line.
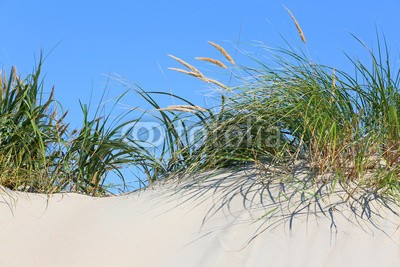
39 152
92 152
344 127
28 128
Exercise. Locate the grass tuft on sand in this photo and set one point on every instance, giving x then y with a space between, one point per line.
343 128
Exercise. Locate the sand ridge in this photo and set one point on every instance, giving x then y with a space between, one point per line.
230 220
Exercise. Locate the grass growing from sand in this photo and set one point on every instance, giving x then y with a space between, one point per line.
343 127
39 151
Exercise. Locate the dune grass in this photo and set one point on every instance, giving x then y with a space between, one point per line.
343 127
39 151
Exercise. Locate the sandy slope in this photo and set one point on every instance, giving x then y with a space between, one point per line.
209 225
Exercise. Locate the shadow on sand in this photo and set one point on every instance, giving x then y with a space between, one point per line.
277 198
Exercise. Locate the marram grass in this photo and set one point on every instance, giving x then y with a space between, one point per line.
343 127
39 152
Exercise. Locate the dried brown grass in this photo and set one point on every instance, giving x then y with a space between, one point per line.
333 85
301 33
184 108
213 61
208 80
191 73
196 73
223 52
187 65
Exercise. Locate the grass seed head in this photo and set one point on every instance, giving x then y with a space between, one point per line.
208 80
184 108
301 33
213 61
223 52
191 73
187 65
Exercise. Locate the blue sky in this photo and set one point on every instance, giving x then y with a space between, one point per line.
132 38
92 39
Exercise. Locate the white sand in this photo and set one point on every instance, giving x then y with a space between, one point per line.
202 226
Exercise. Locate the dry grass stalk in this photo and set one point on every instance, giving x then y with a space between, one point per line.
223 52
302 36
200 76
187 65
213 61
191 73
208 80
3 85
184 108
3 79
13 71
333 85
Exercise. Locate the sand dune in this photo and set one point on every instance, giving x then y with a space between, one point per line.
217 223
